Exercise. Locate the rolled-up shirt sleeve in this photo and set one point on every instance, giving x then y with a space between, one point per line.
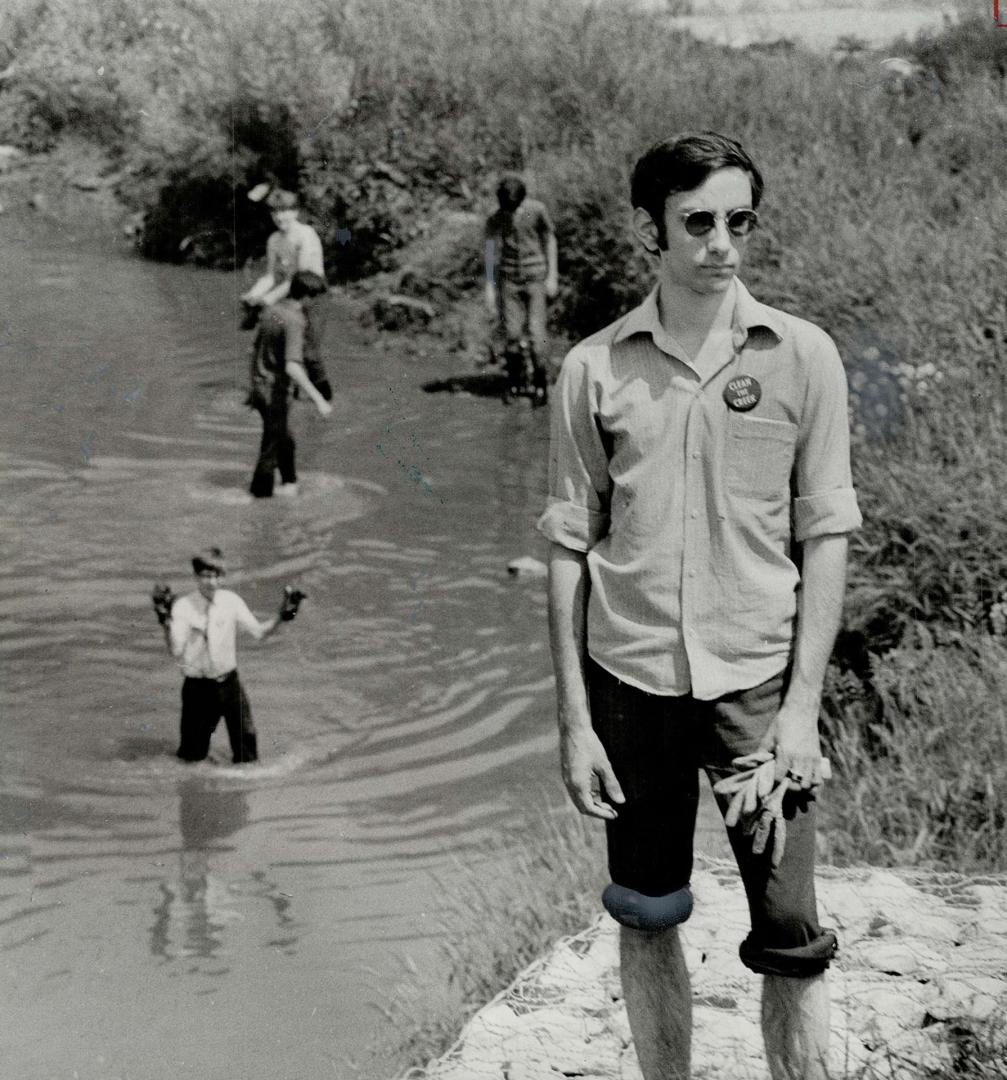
577 510
825 502
245 619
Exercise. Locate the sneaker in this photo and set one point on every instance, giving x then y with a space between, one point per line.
287 491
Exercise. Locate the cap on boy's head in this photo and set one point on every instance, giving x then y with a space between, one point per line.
511 191
281 199
211 558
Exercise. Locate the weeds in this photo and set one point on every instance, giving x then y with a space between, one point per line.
526 891
919 751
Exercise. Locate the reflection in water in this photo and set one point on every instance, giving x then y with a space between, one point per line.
194 911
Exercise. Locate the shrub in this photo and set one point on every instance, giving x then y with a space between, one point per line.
973 46
920 760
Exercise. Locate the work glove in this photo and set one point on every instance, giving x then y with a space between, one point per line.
162 598
292 598
758 798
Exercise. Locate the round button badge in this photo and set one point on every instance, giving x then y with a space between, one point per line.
742 393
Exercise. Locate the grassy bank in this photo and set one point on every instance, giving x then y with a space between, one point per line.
514 901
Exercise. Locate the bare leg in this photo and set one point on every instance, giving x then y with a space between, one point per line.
795 1027
655 983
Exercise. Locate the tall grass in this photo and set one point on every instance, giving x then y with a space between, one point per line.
503 910
920 759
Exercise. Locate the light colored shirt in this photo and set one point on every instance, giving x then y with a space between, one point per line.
519 240
298 249
687 508
203 634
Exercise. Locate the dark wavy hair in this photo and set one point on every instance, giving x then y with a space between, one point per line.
682 163
511 191
305 284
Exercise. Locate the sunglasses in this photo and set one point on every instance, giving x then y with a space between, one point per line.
701 222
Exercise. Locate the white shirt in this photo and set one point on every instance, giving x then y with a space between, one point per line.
203 634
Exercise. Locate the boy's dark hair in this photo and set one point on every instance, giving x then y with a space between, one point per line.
281 199
211 558
682 163
511 191
306 284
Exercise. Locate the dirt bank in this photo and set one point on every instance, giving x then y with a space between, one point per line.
919 984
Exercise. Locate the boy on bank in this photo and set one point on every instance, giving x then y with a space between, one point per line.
200 630
700 502
521 272
278 361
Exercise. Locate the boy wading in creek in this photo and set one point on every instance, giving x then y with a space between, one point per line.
278 361
699 504
200 630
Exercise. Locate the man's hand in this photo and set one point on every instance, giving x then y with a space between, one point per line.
323 407
551 286
292 598
756 800
491 297
588 774
794 741
162 598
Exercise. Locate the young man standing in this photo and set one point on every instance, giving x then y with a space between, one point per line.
200 630
700 454
278 361
521 272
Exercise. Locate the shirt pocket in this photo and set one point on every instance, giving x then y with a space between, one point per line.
759 457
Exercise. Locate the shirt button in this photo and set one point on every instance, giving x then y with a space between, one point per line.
694 514
695 454
692 573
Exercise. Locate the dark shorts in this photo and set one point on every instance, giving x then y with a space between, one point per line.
656 746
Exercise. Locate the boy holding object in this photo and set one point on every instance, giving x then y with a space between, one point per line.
200 630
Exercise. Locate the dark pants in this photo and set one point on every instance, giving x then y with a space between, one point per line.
656 746
204 702
276 450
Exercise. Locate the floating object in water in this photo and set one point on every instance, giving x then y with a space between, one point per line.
526 566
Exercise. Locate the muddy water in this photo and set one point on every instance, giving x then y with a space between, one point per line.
158 920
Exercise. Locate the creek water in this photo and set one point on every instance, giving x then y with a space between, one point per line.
161 920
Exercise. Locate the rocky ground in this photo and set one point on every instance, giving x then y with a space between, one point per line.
922 975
